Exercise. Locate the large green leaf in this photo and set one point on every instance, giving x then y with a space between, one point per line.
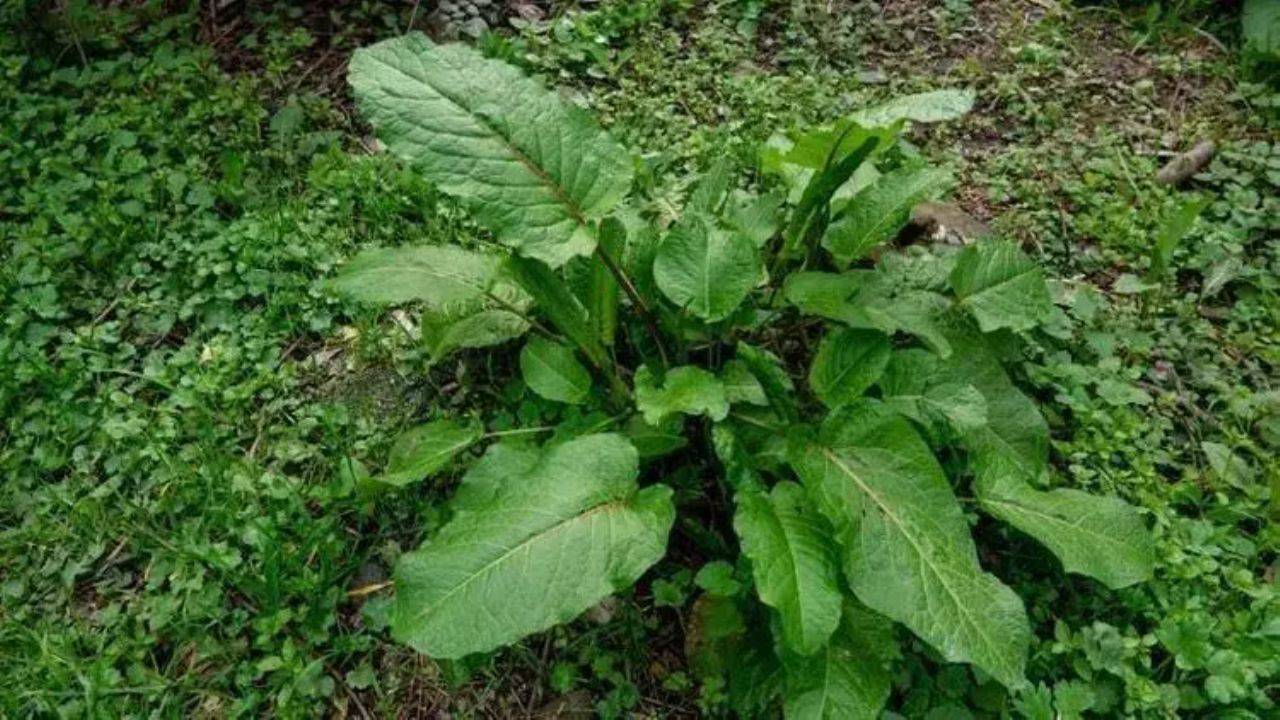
848 362
706 269
793 561
1101 537
1001 287
551 370
535 170
908 553
426 449
849 679
537 539
879 212
926 107
686 389
442 277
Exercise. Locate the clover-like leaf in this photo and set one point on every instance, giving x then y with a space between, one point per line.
536 539
551 370
1001 287
535 170
793 561
686 389
848 362
706 269
907 549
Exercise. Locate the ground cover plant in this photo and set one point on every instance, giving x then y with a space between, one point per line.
206 484
668 322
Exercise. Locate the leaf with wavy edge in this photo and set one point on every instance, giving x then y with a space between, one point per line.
1101 537
533 169
537 539
907 549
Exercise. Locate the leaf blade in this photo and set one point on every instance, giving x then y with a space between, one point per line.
908 553
533 169
551 370
795 570
566 529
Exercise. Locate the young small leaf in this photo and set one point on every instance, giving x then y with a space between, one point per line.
425 450
546 542
767 368
445 332
753 217
1174 227
534 169
705 269
686 389
1001 287
551 370
792 559
740 385
602 287
879 212
654 441
848 362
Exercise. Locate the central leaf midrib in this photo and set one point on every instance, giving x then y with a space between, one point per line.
925 558
541 534
577 213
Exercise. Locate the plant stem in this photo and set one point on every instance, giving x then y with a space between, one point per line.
624 282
